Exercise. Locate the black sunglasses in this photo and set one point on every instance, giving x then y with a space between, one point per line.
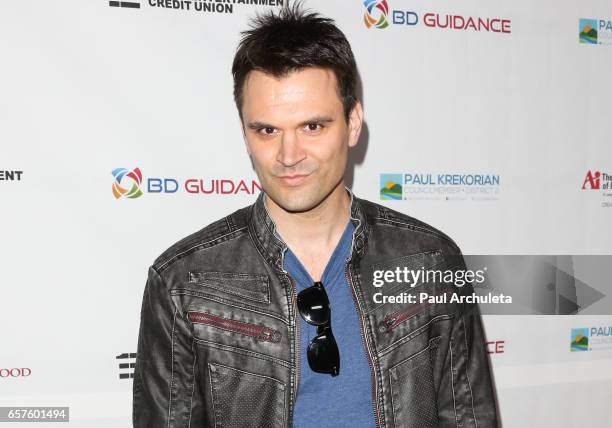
323 354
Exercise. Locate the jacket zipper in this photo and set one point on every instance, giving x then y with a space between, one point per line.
259 332
394 319
365 345
297 341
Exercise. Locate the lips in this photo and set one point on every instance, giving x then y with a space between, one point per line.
293 180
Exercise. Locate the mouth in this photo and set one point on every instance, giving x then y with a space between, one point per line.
293 180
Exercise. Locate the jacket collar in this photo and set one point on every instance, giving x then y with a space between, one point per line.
272 247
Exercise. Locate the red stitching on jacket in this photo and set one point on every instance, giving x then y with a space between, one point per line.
394 319
259 332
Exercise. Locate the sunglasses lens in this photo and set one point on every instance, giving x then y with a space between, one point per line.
323 355
313 305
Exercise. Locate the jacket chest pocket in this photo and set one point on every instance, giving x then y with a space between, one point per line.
232 285
230 309
413 391
245 399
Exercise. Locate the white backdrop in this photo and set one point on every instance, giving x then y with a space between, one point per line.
87 87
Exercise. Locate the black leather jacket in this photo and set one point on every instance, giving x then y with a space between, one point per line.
218 344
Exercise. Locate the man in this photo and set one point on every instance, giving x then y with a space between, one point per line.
270 317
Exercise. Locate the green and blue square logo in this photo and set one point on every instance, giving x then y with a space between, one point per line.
587 31
579 339
391 187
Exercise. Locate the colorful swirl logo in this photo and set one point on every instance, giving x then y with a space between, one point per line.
135 177
376 13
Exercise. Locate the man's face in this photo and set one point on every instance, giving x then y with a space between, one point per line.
297 136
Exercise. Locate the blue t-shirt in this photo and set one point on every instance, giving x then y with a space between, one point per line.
343 400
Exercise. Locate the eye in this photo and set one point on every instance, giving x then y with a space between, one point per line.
314 127
268 130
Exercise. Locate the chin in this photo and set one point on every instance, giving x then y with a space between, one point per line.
295 202
296 206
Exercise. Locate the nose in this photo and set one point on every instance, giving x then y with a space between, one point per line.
290 151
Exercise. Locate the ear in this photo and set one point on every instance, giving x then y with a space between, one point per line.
355 124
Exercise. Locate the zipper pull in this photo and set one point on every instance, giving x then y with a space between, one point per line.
388 323
269 335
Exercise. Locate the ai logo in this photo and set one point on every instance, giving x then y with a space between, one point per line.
591 180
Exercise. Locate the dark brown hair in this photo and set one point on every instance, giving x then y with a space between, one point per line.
290 40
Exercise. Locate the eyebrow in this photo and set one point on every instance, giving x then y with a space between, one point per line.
315 119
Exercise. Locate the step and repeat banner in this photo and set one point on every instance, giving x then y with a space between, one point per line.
489 120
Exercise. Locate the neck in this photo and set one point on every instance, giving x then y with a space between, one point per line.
320 227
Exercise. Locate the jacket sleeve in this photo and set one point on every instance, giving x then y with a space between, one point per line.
467 396
165 390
